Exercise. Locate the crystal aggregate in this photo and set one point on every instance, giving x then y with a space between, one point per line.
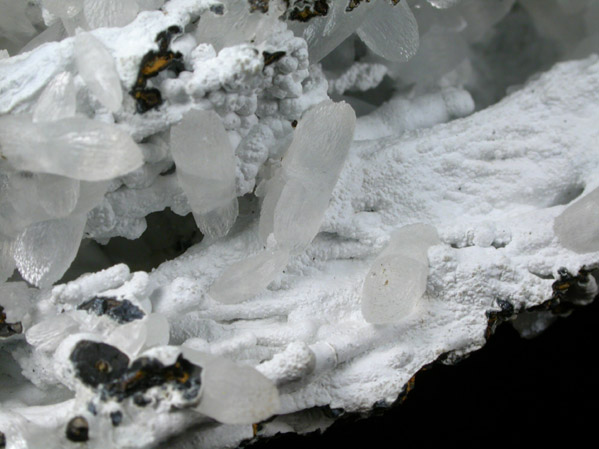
243 115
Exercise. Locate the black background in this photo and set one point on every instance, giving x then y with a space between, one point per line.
512 393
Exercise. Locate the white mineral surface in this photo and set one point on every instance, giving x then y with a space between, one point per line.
215 214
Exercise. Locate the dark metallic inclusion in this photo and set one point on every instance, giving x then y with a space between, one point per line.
104 367
304 10
120 311
78 429
8 329
570 292
355 3
269 58
151 65
2 440
259 5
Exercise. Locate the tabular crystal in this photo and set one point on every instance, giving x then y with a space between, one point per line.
299 193
248 277
58 100
76 147
96 66
577 227
391 31
44 251
109 13
206 170
397 279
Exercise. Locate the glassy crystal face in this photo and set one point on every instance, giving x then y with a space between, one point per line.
577 227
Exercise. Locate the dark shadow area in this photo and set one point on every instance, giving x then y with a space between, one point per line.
167 236
512 393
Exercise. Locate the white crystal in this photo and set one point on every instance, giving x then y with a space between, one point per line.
97 68
438 54
444 3
299 194
324 34
48 334
44 251
76 147
236 394
577 227
248 277
57 195
63 8
55 32
90 195
391 31
398 276
57 101
129 337
241 25
39 196
158 330
109 13
206 164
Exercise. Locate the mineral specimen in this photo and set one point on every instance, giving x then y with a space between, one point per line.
217 256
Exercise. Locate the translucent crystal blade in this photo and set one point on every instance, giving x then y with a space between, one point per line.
391 31
205 163
392 288
75 147
48 334
109 13
441 4
57 101
57 195
324 34
236 394
248 277
297 198
96 66
218 222
577 227
158 330
129 337
241 25
412 241
398 276
44 251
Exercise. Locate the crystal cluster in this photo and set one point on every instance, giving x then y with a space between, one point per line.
345 189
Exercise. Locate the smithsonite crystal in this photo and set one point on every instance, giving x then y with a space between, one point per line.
248 277
76 147
206 170
577 227
97 68
298 194
397 278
